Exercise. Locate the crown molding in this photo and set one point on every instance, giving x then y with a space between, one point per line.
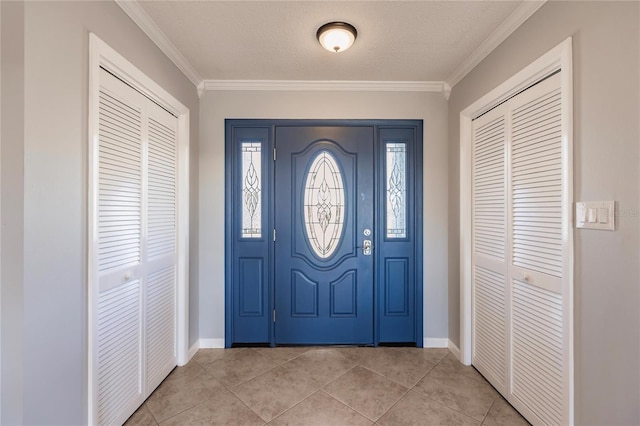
149 27
508 26
327 85
446 90
200 88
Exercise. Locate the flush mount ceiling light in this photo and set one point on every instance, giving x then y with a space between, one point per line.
336 36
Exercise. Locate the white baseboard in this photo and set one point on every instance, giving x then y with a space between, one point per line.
435 342
454 350
211 343
193 349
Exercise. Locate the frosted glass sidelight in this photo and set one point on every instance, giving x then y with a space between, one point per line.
324 204
251 189
396 190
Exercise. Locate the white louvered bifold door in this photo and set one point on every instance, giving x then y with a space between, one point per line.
161 246
120 229
520 210
489 203
136 249
539 325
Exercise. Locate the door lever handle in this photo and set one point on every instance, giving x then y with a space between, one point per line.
366 247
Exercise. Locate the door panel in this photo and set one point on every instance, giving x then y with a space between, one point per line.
397 240
250 271
489 204
324 202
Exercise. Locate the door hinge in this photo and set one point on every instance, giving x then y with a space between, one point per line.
274 315
274 234
274 154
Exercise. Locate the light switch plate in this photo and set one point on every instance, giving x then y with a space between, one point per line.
596 215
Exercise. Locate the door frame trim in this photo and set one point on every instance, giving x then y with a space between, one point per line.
101 55
418 212
558 58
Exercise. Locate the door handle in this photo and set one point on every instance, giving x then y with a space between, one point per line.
366 247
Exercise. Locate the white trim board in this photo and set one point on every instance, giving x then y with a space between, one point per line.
454 350
324 85
500 34
193 350
102 55
211 343
435 342
558 58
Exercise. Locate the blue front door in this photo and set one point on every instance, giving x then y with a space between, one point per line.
324 220
324 232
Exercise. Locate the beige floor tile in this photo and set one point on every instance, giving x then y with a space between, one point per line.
452 365
458 391
169 405
222 409
188 378
325 386
206 356
320 366
184 388
400 366
414 409
356 354
244 366
142 417
366 392
274 392
320 410
282 354
503 414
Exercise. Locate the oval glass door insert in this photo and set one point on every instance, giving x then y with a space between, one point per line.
324 204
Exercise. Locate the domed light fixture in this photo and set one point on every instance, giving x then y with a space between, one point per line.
336 36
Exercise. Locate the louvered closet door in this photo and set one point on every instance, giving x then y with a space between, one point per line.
120 231
161 246
520 321
490 265
539 328
136 257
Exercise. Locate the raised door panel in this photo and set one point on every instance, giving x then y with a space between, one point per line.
344 295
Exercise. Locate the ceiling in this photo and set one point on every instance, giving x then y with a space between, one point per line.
275 40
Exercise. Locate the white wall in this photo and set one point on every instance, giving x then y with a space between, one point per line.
44 312
216 106
606 78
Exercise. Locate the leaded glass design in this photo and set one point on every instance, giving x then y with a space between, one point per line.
396 190
251 189
324 204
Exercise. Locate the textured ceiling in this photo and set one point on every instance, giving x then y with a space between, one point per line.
275 40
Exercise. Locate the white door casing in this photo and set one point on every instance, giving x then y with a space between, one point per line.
517 241
138 235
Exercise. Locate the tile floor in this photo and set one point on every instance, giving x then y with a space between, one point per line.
325 386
